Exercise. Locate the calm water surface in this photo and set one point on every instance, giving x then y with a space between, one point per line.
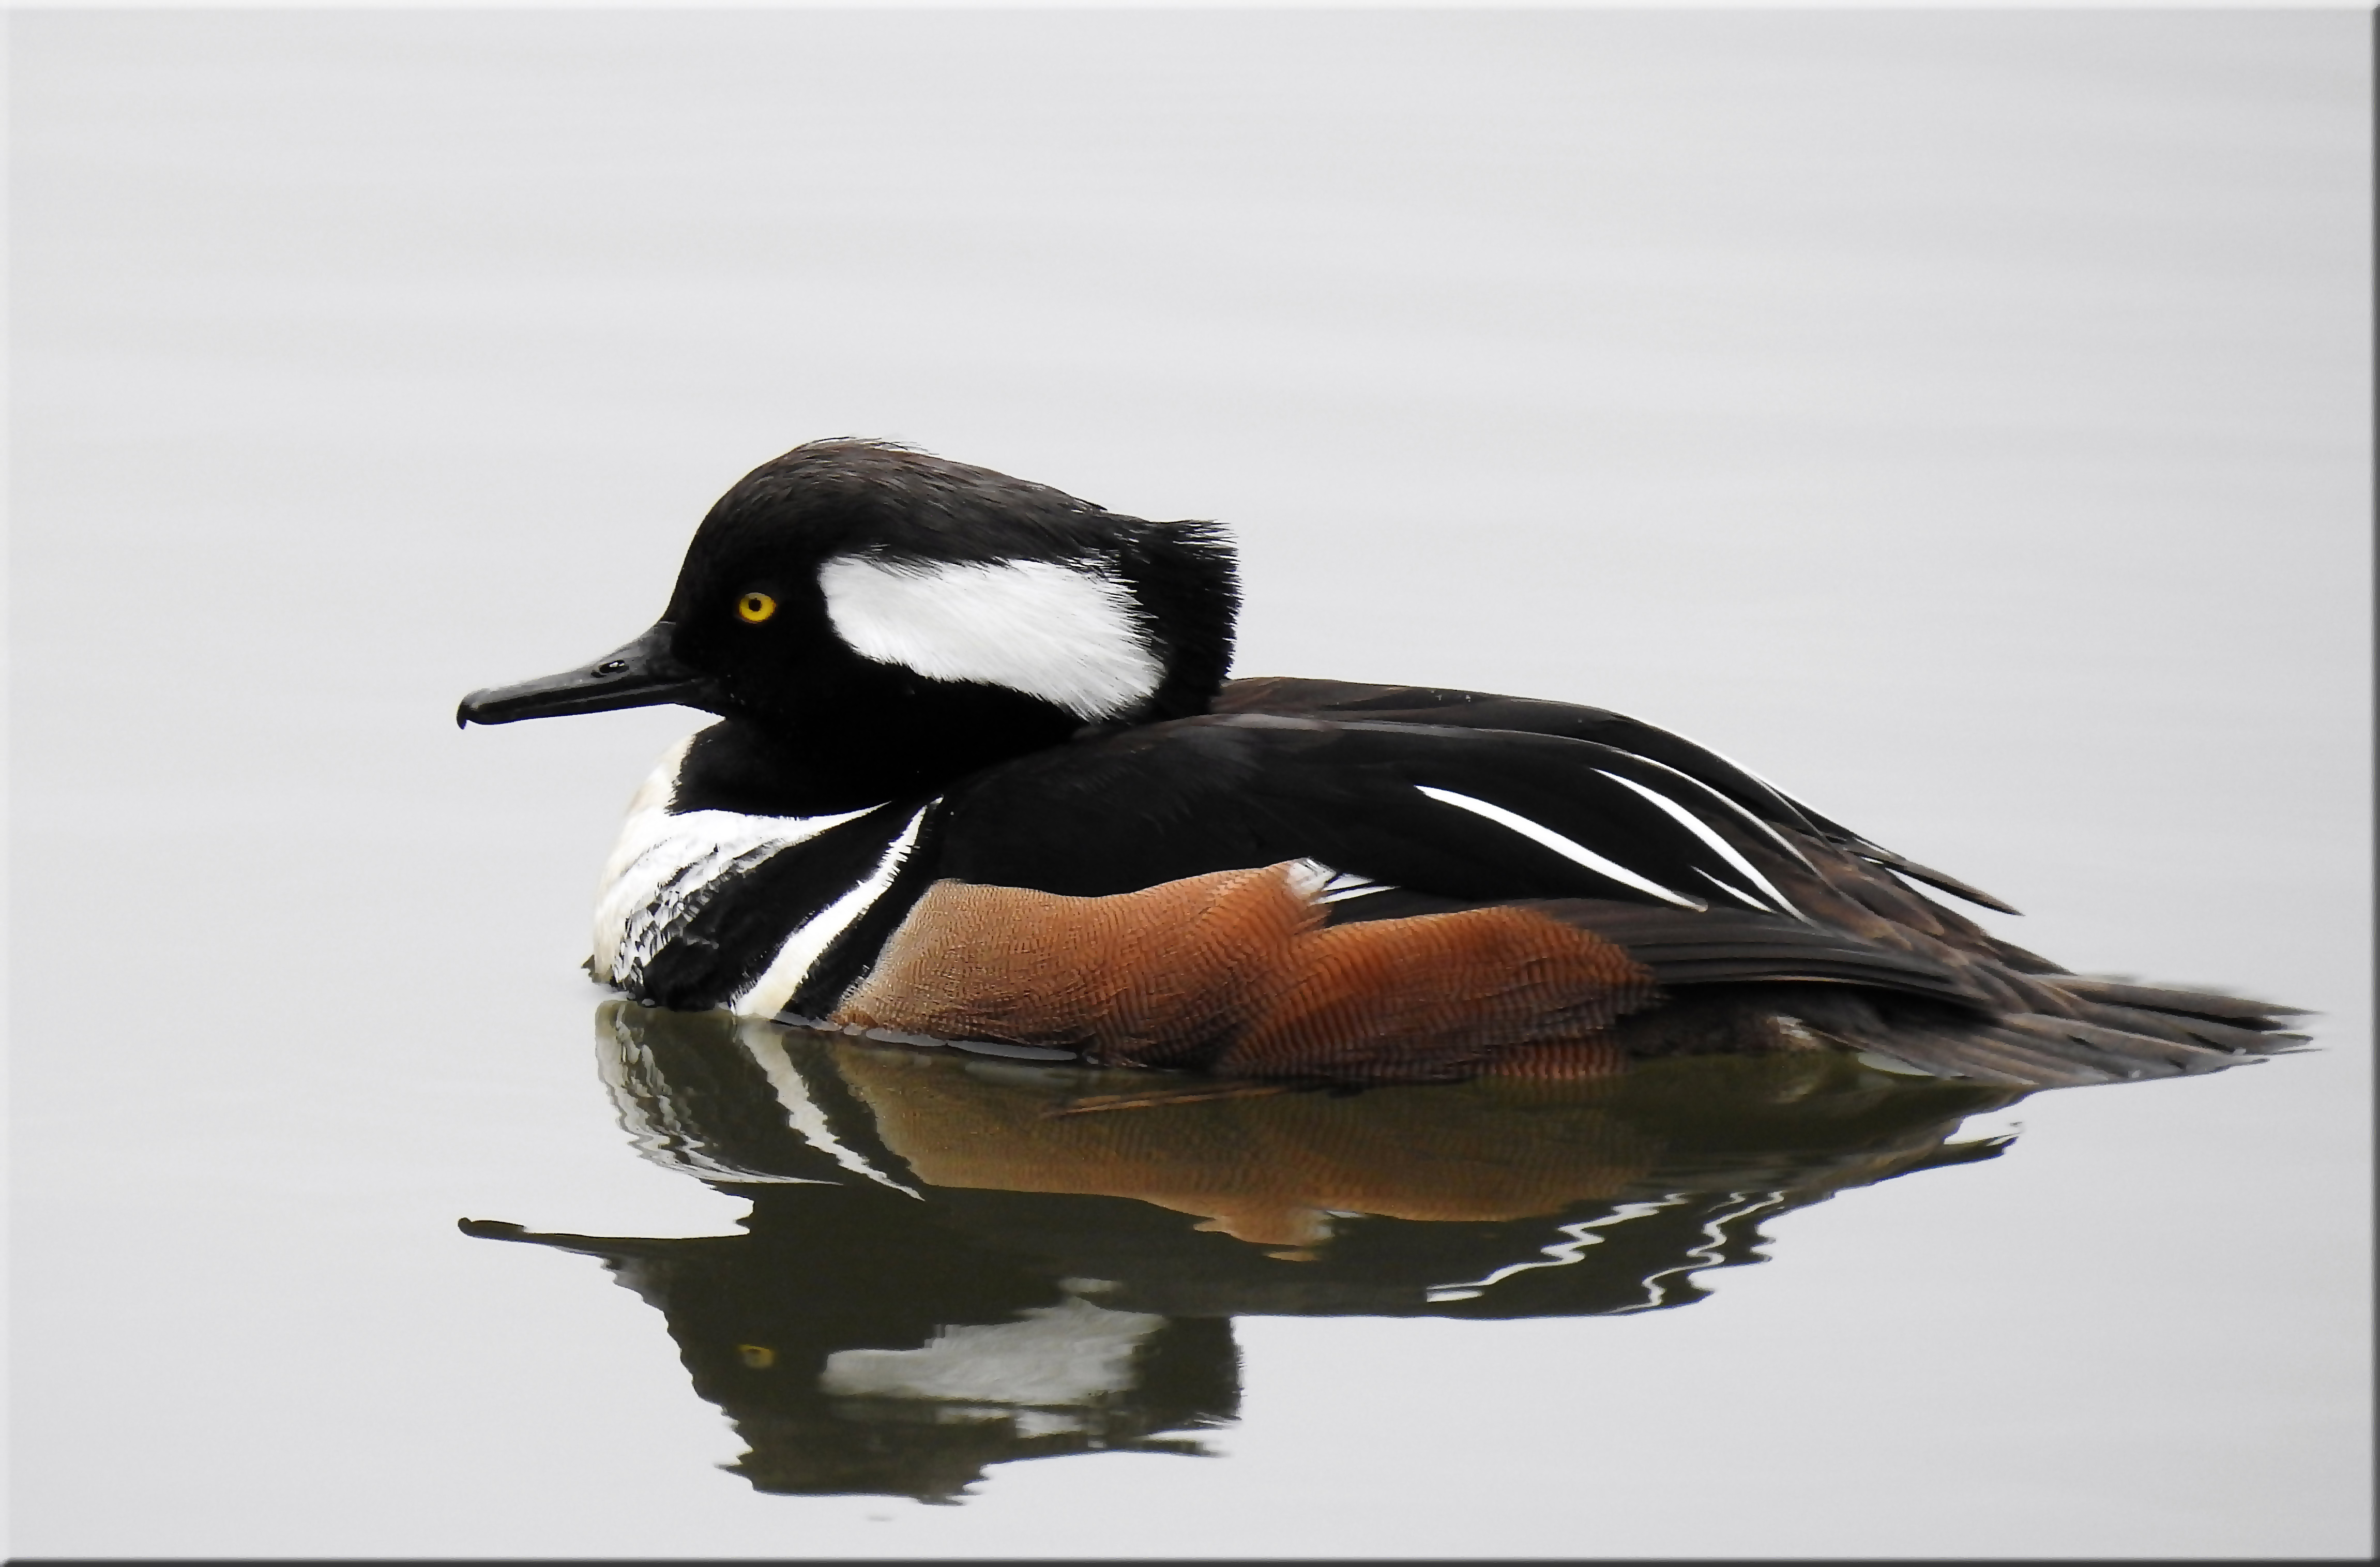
1960 418
951 1262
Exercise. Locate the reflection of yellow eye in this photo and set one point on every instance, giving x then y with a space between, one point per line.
759 1358
756 607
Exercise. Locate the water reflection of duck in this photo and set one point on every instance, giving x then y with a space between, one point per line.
944 1267
980 777
865 1343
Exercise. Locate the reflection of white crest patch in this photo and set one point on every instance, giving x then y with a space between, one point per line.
1070 1355
1066 634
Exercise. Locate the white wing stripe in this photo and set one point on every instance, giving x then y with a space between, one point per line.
1578 853
1732 890
1342 894
1322 883
1719 845
1345 884
1782 842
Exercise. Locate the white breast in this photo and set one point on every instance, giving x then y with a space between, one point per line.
807 942
661 862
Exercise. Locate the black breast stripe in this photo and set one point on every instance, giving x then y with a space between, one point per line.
743 917
851 955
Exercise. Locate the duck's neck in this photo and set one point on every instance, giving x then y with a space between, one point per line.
762 770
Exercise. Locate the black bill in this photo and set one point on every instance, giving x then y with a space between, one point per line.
644 673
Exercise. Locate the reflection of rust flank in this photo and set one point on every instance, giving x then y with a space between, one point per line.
1558 1060
1236 971
1261 1168
1165 1097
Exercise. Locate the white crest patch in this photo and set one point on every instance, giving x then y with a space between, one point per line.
1066 634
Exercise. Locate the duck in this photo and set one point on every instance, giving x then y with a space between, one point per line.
980 777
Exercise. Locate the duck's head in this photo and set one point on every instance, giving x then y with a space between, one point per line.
852 591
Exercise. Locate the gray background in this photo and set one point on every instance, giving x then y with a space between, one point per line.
1959 418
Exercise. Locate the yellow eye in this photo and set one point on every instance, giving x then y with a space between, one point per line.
759 1358
756 607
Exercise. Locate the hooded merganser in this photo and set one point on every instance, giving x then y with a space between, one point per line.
980 779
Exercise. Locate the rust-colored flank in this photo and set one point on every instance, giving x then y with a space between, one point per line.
1236 972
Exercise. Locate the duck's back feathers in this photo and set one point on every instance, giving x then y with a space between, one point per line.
1407 821
1291 696
1472 814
